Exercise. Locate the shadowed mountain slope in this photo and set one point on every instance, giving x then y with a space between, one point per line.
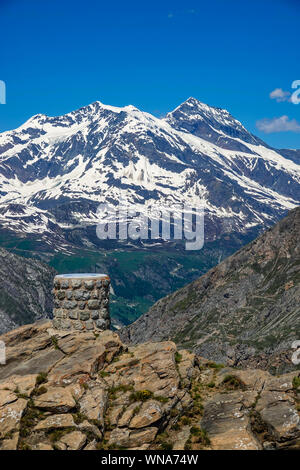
243 311
25 290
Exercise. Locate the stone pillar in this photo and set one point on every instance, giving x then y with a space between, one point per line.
81 302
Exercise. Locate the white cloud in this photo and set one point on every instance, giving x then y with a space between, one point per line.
280 124
280 95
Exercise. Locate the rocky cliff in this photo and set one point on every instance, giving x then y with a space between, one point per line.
71 391
243 312
25 290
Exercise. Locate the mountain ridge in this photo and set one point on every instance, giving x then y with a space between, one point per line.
103 153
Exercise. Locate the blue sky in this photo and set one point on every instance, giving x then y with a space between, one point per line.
59 55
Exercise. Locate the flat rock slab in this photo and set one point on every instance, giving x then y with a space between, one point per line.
57 421
29 350
6 397
130 439
182 436
10 416
10 444
56 399
152 367
87 354
24 385
227 422
74 440
284 383
253 379
94 403
279 413
149 413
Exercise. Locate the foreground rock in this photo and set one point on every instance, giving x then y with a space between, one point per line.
75 391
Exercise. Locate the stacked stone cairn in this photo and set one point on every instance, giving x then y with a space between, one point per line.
81 302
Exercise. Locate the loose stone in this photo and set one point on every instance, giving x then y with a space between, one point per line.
81 302
84 316
93 304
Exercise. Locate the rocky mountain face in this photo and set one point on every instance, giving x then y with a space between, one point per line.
291 154
245 311
73 391
25 290
54 172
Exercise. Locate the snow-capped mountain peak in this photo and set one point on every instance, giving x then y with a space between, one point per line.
215 125
58 169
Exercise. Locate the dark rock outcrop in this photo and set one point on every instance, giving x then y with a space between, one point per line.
25 290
